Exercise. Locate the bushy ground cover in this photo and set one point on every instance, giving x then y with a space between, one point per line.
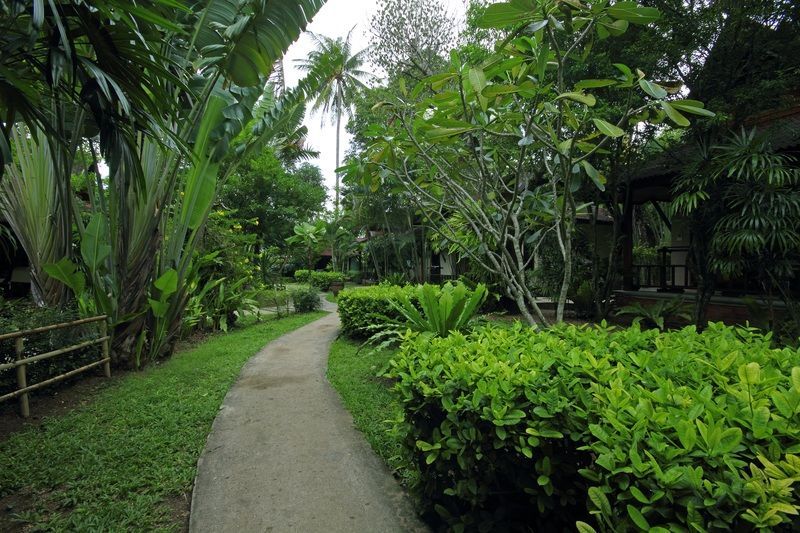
121 462
622 430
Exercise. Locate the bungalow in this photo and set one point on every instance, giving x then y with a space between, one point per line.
673 274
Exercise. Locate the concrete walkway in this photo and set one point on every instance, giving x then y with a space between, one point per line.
283 455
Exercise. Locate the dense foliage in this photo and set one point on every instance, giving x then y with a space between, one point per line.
306 299
619 429
323 280
171 105
272 197
361 309
439 310
495 151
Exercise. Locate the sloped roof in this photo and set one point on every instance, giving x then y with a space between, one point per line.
780 127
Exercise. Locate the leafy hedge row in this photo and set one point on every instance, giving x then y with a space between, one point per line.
363 308
319 279
302 275
323 280
619 430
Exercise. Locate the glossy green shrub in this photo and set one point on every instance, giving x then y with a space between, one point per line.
597 428
362 308
302 276
323 280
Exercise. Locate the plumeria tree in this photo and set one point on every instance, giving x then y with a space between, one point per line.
495 152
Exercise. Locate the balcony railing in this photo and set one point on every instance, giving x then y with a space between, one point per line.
666 276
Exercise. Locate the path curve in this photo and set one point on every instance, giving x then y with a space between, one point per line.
283 454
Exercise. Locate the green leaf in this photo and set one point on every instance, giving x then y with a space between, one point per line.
158 308
653 89
583 527
477 78
750 374
729 440
782 403
504 14
67 273
583 98
634 13
674 115
167 283
760 421
686 434
438 81
693 107
94 243
639 495
638 518
600 500
598 179
440 133
497 89
796 378
606 128
594 84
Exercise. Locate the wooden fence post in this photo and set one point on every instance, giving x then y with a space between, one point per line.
106 350
22 379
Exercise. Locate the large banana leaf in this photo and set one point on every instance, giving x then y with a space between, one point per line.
246 37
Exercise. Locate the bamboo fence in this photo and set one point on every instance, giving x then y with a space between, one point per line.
21 363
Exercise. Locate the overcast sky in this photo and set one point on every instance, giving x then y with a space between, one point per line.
335 19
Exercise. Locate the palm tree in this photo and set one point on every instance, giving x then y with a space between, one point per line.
336 93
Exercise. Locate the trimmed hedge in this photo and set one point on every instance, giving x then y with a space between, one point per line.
323 280
361 308
302 275
624 430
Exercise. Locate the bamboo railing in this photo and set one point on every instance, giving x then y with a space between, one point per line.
21 363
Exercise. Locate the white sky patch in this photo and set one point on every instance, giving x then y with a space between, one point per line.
335 19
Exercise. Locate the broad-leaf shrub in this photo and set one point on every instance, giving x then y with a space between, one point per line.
620 430
363 308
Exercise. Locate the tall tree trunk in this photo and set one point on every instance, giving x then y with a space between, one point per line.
336 172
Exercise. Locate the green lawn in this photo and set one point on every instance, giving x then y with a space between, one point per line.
123 462
370 401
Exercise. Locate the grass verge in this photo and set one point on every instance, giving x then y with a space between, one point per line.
371 402
128 459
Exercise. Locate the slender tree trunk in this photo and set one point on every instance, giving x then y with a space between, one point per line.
336 172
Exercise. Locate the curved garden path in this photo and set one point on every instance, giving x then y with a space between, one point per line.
283 455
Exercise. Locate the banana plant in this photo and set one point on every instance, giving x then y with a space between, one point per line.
152 211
